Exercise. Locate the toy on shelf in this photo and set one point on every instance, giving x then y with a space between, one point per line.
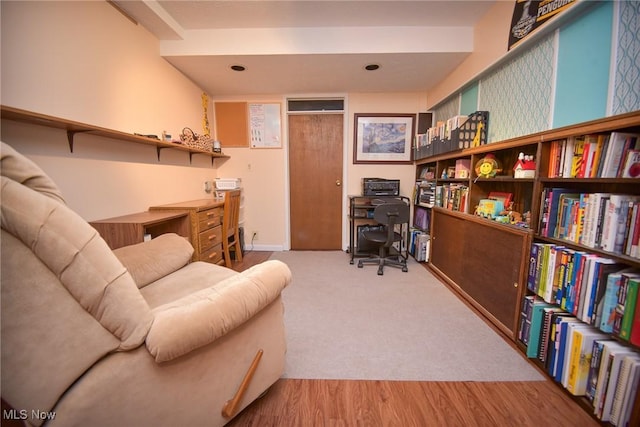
489 208
488 166
525 167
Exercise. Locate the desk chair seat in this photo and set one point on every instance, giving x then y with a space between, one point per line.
387 214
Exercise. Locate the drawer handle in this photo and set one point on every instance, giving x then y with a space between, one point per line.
213 255
211 223
213 236
211 213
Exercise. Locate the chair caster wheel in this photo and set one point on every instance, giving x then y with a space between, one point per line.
405 269
359 264
380 272
351 262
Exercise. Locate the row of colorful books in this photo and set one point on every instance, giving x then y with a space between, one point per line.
585 360
606 221
615 155
453 196
597 290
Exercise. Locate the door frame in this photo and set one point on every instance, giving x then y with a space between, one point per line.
343 197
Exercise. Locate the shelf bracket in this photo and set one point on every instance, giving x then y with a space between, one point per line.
71 134
158 149
190 157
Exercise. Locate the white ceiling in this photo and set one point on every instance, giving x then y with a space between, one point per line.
311 46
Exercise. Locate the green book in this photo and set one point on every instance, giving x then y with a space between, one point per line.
629 308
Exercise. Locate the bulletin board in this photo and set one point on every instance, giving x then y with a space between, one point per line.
265 127
231 124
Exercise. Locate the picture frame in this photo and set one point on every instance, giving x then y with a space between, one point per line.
383 138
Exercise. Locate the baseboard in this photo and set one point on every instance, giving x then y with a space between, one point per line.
265 248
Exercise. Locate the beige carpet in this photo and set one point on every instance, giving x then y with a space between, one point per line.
344 322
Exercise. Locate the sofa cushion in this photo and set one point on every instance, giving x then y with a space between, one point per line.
149 261
202 317
192 278
77 255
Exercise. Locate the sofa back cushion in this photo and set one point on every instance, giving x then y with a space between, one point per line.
52 258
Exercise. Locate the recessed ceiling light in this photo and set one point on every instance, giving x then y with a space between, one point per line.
371 67
238 68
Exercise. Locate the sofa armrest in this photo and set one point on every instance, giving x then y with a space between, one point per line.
152 260
202 317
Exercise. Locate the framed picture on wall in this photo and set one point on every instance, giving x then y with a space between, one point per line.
383 138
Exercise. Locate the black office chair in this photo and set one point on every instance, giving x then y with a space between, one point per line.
388 214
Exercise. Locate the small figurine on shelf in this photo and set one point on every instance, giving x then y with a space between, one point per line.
444 174
525 167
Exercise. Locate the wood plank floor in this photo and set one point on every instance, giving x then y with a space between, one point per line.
303 402
296 402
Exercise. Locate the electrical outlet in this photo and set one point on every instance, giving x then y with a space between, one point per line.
254 236
208 186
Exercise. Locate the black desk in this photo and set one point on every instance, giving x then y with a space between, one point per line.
361 213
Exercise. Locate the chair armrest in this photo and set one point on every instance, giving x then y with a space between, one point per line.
202 317
152 260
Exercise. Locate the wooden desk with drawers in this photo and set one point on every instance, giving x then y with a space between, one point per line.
205 216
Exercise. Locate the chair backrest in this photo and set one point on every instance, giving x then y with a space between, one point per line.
391 213
231 215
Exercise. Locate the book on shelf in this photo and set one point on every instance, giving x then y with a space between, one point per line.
580 358
555 336
622 390
629 286
615 359
562 350
610 300
537 317
612 355
525 319
570 338
546 331
629 396
619 144
594 368
631 167
600 288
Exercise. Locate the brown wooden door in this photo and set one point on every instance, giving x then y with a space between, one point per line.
315 172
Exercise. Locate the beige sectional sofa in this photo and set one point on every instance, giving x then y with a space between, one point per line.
139 336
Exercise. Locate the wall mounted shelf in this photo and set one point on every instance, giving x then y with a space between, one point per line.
72 128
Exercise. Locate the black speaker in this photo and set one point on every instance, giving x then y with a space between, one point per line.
425 121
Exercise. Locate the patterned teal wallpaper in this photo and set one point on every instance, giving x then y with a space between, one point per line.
517 94
448 109
626 94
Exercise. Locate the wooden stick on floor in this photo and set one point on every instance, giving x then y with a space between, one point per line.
230 407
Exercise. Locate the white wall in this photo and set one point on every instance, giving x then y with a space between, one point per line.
86 62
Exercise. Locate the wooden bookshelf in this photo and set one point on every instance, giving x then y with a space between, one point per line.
488 262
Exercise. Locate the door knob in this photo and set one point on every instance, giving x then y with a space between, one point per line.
338 183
